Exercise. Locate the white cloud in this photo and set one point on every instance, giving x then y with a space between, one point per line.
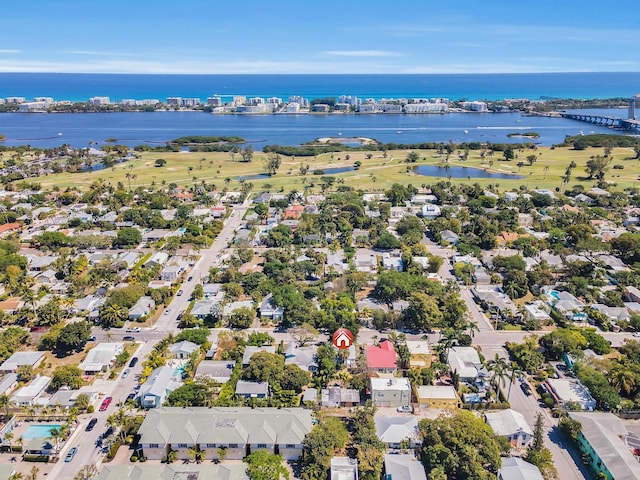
361 53
8 50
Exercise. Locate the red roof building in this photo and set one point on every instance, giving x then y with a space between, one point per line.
294 211
382 358
9 228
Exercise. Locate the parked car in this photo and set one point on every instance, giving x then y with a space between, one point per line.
92 338
129 338
125 373
166 312
189 279
526 389
105 403
636 334
405 409
180 292
133 330
133 362
131 396
91 424
71 454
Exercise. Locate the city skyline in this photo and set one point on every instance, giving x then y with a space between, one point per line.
285 36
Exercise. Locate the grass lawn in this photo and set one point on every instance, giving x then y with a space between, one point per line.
376 173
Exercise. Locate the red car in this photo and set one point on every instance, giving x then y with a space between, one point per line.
105 403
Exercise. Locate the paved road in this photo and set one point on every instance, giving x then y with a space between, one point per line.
88 452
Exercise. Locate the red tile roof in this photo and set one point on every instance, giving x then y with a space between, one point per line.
9 227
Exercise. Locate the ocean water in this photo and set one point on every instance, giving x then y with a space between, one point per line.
80 87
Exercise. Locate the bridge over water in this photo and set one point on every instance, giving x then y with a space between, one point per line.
630 123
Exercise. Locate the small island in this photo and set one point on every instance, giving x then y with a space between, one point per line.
523 135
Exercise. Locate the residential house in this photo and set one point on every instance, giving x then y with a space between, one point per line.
247 389
38 446
525 220
11 305
632 294
336 396
88 304
294 212
17 359
7 471
237 429
161 382
205 308
614 314
512 425
174 268
565 303
437 396
402 467
601 440
8 383
129 259
100 358
420 353
251 350
400 431
535 311
515 468
229 308
495 301
390 392
29 394
564 390
366 261
430 211
465 361
143 307
447 236
67 399
217 370
392 262
343 468
381 358
303 357
270 310
183 471
158 259
183 349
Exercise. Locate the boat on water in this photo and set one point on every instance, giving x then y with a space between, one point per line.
398 132
466 131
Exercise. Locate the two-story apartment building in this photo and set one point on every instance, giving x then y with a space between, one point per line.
237 430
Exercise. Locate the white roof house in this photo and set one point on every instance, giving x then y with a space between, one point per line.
183 349
17 359
390 392
217 370
404 467
511 424
250 350
465 361
100 357
514 468
343 468
233 306
29 394
396 430
564 391
144 306
161 382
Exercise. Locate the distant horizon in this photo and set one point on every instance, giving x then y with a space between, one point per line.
272 74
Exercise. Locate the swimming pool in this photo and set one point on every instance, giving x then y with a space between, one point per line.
39 431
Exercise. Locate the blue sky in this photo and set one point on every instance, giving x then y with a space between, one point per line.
328 36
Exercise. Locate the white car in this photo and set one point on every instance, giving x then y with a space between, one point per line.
636 334
133 330
166 312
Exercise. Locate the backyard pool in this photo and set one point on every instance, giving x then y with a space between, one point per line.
39 431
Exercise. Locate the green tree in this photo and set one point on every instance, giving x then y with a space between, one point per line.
596 166
128 237
272 162
320 445
50 313
423 312
25 373
538 454
241 318
69 375
264 367
113 314
263 465
412 157
198 292
73 337
461 446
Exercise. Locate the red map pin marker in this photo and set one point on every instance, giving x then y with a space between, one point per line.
342 338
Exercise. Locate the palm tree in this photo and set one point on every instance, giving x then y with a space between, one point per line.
54 434
514 371
498 367
545 170
8 436
5 403
623 380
